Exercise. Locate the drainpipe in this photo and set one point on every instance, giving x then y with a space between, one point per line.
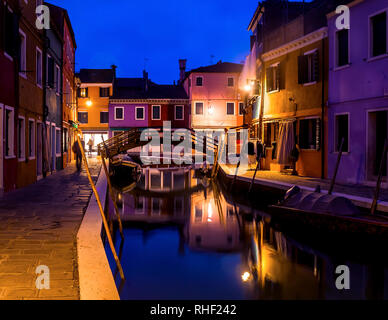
323 113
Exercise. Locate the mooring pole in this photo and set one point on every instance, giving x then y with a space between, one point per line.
235 176
336 167
112 197
379 178
254 175
106 227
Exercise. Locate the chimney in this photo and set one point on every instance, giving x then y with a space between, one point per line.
114 67
145 78
182 69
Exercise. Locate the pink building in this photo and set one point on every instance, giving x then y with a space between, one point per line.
214 95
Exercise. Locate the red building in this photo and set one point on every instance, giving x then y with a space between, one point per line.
69 110
8 94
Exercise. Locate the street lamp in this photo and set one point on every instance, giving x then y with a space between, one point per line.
89 103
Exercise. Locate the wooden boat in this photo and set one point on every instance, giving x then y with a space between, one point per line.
327 213
124 172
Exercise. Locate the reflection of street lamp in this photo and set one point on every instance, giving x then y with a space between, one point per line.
89 103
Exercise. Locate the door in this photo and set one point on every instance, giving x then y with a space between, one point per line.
39 149
377 135
1 148
53 149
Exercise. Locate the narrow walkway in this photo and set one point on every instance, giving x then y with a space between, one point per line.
38 226
285 180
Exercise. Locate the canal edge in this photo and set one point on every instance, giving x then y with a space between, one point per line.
96 281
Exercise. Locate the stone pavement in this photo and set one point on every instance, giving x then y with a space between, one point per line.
38 226
349 189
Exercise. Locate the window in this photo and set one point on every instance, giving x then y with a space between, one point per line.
199 81
104 117
273 78
155 112
230 82
119 113
83 92
57 79
179 114
58 142
83 117
308 68
39 67
308 134
11 33
31 139
342 38
342 132
21 139
23 54
9 132
104 92
199 108
378 26
50 71
139 113
230 108
241 108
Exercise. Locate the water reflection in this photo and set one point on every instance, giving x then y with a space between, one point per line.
187 241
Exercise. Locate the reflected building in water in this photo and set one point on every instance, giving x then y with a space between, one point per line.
268 264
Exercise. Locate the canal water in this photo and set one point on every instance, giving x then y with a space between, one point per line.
187 238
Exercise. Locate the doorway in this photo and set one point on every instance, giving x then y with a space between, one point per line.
377 135
39 149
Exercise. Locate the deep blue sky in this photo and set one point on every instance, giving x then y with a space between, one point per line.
126 32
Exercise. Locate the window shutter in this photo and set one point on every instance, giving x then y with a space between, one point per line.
16 36
269 79
315 66
79 92
86 92
302 68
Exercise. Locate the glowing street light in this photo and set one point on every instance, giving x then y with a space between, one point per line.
245 276
211 110
89 103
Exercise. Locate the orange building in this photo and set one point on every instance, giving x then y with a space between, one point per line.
95 88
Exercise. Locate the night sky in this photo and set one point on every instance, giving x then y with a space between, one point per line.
129 32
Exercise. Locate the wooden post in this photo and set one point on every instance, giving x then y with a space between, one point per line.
113 197
235 176
379 178
336 167
101 209
254 175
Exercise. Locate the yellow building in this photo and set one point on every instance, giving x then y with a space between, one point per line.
95 88
295 96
